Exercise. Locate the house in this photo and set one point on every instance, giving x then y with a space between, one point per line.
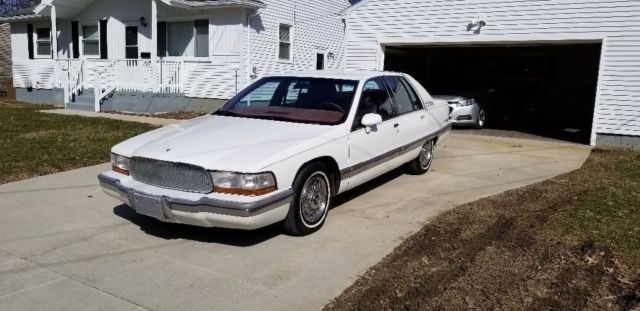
164 55
569 68
5 57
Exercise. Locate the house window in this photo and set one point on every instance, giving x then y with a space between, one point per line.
202 38
90 40
131 42
43 41
187 39
284 52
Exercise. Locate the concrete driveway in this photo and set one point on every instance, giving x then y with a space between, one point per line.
64 245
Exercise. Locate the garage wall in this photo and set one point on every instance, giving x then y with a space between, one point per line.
617 21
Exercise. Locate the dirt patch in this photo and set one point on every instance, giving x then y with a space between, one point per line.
520 250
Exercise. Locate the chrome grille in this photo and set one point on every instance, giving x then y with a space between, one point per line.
170 175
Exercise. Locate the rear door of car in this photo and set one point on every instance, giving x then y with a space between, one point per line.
412 125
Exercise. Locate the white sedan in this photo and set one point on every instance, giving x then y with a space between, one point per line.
279 151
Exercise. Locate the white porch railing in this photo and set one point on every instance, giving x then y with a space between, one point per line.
105 84
70 77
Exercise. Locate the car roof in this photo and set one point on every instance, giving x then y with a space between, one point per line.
338 74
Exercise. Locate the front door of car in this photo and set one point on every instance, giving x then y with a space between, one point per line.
370 148
413 126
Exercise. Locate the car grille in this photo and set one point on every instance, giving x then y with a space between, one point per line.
170 175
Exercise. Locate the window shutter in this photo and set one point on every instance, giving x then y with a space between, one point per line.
162 39
75 34
104 50
30 40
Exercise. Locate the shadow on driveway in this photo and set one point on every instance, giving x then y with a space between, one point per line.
169 231
239 238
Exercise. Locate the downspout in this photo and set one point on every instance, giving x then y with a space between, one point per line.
248 49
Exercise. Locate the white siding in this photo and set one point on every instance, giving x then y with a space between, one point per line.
316 27
215 79
226 33
38 73
65 42
618 21
19 42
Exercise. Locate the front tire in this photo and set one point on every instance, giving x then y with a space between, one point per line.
310 205
422 163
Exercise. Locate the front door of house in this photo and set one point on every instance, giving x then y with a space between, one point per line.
131 42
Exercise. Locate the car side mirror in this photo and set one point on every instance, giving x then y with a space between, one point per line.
370 120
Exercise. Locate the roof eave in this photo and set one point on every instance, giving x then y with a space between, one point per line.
352 8
19 18
221 3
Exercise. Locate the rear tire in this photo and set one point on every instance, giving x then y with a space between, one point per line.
481 119
310 205
422 163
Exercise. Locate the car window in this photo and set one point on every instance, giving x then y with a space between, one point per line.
375 99
261 97
405 100
415 99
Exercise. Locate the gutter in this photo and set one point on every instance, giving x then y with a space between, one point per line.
185 4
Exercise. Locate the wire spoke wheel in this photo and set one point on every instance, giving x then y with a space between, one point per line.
426 155
314 199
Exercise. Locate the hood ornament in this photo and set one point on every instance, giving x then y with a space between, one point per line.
168 149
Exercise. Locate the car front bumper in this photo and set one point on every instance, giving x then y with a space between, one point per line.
467 115
200 210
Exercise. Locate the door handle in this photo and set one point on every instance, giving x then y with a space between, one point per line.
396 125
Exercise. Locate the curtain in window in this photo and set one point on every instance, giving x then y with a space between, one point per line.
180 39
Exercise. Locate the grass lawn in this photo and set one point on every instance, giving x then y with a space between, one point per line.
35 143
569 243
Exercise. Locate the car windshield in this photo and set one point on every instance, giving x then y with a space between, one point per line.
294 99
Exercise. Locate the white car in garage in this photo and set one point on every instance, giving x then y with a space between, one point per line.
279 151
464 111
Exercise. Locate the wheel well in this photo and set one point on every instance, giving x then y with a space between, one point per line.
334 170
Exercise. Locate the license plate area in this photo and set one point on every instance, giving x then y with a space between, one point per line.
148 205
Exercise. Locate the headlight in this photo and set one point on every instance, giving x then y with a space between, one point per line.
467 102
120 164
245 184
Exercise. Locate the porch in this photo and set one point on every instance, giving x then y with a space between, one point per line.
217 78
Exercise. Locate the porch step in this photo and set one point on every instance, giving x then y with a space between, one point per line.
84 101
82 107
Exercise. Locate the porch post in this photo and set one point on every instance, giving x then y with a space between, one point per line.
54 33
154 45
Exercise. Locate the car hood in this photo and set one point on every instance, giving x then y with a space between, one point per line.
228 143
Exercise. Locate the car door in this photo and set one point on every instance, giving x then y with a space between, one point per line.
411 119
369 150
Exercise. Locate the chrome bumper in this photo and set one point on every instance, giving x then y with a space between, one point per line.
203 205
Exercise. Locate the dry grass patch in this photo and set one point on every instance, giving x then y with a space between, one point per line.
35 143
569 243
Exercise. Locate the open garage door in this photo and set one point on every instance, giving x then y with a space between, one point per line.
546 90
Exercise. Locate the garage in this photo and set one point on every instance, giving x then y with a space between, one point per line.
542 89
563 69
